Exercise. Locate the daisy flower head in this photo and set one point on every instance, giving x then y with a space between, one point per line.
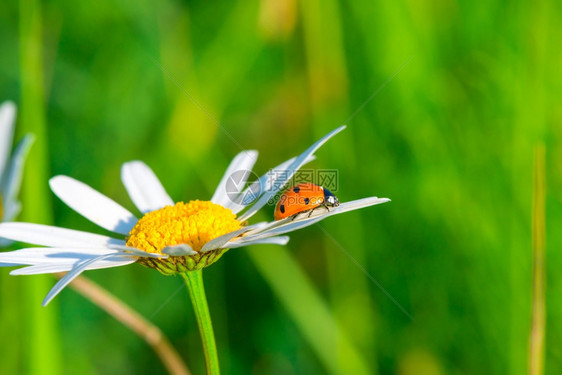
11 166
170 237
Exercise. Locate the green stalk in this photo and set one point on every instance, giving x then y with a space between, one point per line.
538 318
42 345
194 282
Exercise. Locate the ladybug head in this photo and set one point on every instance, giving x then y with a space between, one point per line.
330 199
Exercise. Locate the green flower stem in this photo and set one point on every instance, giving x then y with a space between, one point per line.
194 282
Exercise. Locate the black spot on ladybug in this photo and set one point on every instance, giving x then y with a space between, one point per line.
306 201
282 208
296 189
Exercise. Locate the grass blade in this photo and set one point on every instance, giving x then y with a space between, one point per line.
538 321
43 349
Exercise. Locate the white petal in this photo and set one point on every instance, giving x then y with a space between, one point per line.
11 210
42 268
93 205
281 240
12 178
219 242
234 179
179 250
39 255
284 227
118 261
263 184
65 267
138 252
257 226
357 204
283 176
89 264
276 228
46 235
144 188
7 118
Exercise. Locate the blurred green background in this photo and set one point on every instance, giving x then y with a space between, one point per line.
463 92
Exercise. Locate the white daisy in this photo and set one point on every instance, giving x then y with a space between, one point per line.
11 169
171 237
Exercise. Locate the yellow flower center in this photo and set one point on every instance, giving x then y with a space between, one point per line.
194 223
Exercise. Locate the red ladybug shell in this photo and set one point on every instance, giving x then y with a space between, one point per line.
302 198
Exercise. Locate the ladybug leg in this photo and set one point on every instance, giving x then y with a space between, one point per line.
302 212
313 209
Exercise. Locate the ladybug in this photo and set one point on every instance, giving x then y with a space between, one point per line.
304 198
